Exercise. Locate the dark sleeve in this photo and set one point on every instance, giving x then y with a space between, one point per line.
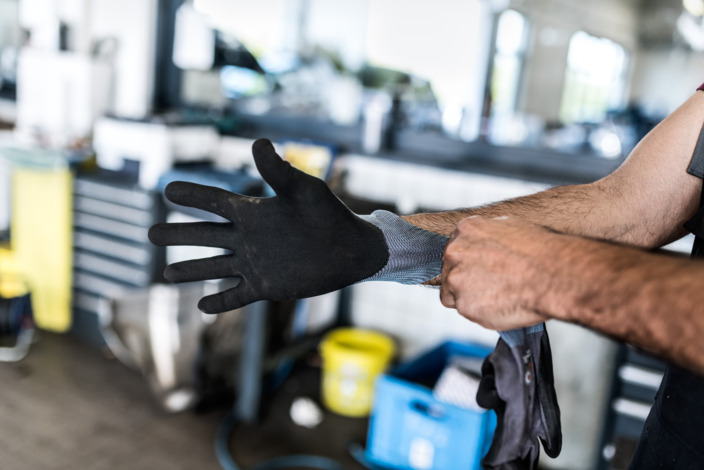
696 165
695 225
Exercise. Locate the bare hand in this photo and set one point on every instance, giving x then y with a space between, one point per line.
495 271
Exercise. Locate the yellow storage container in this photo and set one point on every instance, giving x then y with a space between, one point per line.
40 249
352 360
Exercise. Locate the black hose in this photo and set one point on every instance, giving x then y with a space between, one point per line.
222 452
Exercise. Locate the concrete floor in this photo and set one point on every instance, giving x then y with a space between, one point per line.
68 406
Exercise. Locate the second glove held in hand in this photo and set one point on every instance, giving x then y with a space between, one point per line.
517 382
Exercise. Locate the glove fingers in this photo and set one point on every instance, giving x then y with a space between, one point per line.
548 400
487 395
230 299
217 267
212 234
207 198
273 169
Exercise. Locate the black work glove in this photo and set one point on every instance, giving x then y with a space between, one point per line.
517 383
301 243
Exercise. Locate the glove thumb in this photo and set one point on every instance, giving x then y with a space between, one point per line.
273 169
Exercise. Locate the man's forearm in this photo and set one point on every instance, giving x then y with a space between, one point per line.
652 301
568 209
591 210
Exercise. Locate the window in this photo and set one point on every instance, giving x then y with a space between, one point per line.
511 41
595 79
442 42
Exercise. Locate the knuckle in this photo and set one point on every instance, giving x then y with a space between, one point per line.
469 314
473 310
454 252
470 227
450 281
450 253
446 296
464 224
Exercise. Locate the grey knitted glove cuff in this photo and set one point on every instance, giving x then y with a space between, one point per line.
415 255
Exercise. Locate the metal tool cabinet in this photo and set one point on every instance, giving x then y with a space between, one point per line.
111 219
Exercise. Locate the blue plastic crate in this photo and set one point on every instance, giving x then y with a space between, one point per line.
410 429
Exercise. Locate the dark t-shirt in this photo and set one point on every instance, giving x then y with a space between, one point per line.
673 437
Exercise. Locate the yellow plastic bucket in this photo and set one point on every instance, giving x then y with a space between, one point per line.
352 359
12 286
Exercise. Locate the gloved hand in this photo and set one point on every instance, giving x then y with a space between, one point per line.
301 243
517 383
